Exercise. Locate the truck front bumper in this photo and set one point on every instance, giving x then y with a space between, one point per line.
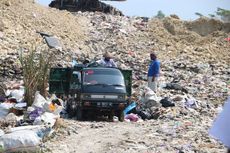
103 105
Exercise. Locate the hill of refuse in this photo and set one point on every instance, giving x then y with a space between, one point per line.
21 19
85 5
194 55
184 47
202 38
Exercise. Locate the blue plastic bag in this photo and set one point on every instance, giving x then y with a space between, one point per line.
130 107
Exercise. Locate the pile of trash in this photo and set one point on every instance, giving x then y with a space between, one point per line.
152 106
130 39
89 5
20 20
191 63
22 127
195 67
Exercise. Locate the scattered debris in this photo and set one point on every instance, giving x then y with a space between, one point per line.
195 76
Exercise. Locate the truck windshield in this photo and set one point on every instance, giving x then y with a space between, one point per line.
103 77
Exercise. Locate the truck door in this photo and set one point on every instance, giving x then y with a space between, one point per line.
59 80
128 81
75 81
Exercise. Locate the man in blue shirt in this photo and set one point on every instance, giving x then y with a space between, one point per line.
153 72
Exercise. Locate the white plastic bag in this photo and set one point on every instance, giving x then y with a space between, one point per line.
41 130
1 132
4 109
34 128
19 141
150 95
149 98
39 100
58 110
7 92
18 94
49 118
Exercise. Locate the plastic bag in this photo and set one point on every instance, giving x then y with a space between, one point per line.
19 141
35 113
49 118
23 128
144 115
167 102
4 109
1 132
130 107
41 130
58 110
39 100
150 98
55 106
18 94
191 102
132 117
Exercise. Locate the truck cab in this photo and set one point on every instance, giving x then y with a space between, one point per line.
93 90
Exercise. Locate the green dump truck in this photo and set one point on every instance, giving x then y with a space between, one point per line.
92 90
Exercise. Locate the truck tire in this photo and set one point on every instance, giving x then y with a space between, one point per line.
110 116
79 113
121 116
70 108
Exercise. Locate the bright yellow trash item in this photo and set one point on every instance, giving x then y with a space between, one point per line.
52 107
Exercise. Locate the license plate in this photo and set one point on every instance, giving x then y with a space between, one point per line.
111 96
97 96
105 96
104 104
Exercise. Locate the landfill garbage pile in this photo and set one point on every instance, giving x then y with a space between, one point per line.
194 81
199 64
22 127
20 20
86 5
199 39
194 85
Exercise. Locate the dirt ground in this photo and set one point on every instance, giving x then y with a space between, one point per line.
153 136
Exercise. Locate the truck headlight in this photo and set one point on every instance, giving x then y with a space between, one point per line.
86 96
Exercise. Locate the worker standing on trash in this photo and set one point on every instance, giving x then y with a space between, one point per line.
153 72
107 61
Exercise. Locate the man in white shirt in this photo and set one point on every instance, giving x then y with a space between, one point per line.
107 61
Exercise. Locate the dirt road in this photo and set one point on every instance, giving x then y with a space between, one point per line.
152 136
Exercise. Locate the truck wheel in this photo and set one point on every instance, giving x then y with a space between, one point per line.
121 116
79 114
110 116
70 108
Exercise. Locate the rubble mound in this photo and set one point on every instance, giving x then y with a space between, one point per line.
21 19
194 80
200 39
85 5
205 26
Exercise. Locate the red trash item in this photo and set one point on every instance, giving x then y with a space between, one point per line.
132 117
227 39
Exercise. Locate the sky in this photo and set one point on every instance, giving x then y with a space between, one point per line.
185 9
